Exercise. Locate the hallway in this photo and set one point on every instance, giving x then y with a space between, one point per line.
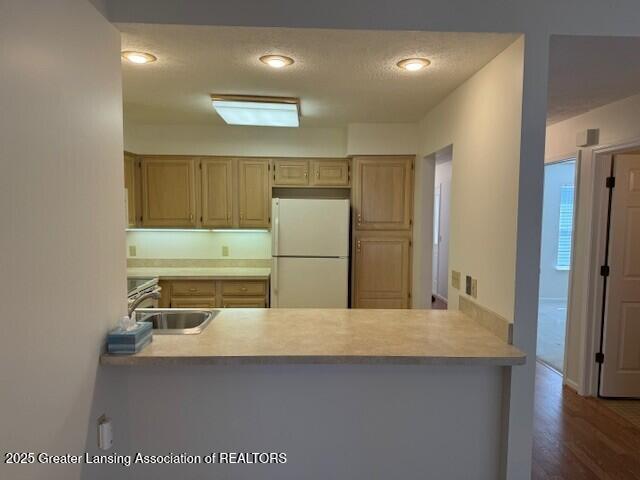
578 438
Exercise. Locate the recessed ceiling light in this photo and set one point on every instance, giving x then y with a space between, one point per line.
257 110
413 64
138 57
276 61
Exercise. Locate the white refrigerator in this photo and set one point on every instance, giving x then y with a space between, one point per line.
310 253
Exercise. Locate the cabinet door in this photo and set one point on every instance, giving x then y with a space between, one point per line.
254 193
244 302
382 193
168 192
330 173
217 185
291 172
131 192
193 302
382 272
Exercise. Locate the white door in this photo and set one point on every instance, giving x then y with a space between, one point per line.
309 282
310 227
621 367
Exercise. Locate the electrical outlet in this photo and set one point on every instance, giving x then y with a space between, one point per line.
132 251
225 251
474 287
455 279
467 289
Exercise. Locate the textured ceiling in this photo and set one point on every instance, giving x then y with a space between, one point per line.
341 76
587 72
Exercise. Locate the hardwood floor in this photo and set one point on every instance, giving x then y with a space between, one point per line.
578 438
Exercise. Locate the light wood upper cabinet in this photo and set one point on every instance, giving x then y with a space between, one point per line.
382 271
291 172
217 192
383 192
254 191
168 191
132 191
330 173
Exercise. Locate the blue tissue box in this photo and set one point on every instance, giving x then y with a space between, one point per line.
130 341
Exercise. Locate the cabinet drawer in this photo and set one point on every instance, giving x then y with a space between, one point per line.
244 302
193 302
244 288
199 288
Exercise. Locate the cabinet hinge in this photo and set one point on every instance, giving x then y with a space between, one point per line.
201 219
269 167
200 165
410 243
599 357
611 182
604 271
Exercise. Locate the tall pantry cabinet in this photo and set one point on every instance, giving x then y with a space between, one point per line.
382 223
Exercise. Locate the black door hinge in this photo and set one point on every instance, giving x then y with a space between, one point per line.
611 182
604 271
599 357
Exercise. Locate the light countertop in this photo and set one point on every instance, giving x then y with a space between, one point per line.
330 336
201 273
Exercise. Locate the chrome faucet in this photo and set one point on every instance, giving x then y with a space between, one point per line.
139 299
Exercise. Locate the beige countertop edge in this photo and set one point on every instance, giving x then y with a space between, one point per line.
132 360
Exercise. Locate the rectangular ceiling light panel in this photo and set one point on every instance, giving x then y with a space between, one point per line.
257 113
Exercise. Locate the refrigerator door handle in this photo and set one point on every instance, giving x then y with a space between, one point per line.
276 227
274 283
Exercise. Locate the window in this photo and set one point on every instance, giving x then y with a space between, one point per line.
565 227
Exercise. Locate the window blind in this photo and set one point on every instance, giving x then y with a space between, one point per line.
565 227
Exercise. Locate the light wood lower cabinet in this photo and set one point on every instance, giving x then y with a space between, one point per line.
243 302
382 271
214 293
193 302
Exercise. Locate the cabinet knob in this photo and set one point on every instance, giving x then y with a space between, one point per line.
306 174
359 218
358 245
244 289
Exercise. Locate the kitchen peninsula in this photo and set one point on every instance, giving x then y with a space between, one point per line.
427 385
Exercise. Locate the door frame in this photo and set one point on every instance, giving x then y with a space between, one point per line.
576 193
592 289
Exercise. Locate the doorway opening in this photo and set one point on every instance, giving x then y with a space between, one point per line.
555 261
441 221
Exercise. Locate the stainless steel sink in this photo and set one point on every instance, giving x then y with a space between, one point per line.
176 321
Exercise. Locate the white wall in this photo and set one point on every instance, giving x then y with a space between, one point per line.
62 238
235 140
382 139
200 244
443 179
618 124
481 119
